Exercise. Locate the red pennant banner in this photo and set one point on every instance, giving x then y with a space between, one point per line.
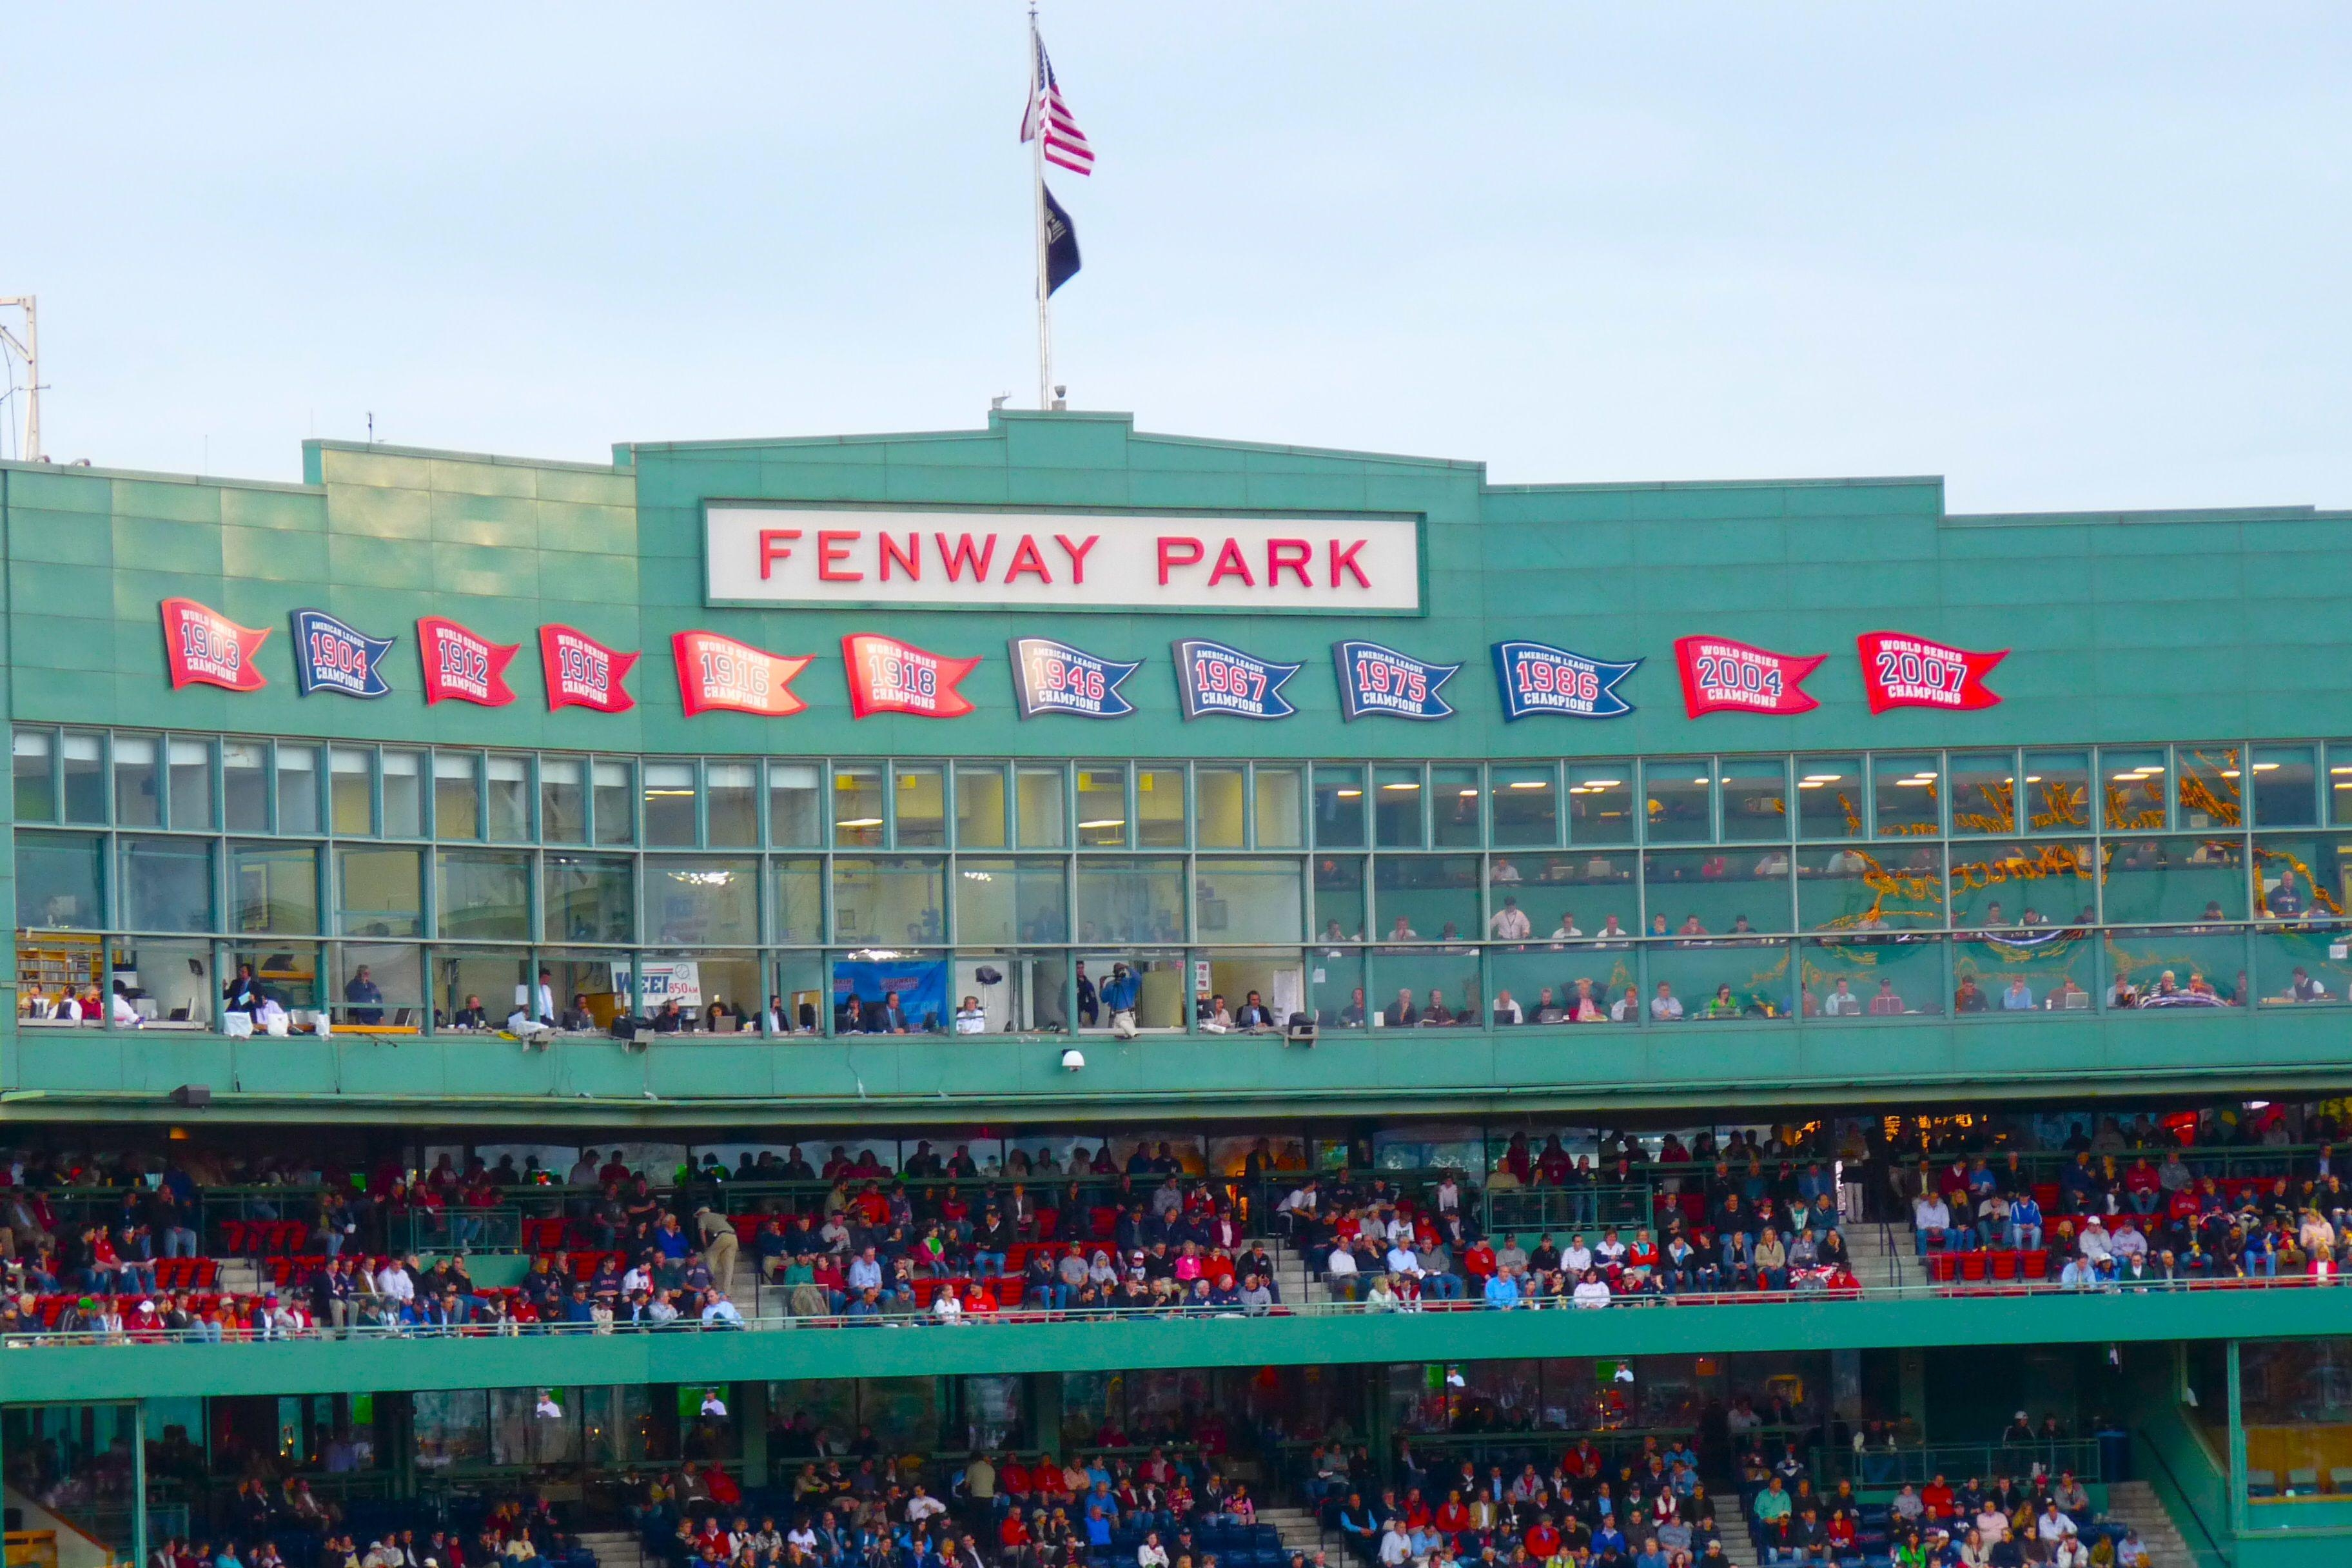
1720 676
462 666
582 672
719 672
1900 671
886 676
205 648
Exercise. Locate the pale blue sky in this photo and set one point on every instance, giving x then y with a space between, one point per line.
2069 256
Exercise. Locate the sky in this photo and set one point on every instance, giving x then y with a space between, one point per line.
2078 256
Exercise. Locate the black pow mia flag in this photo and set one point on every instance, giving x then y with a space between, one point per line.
1061 245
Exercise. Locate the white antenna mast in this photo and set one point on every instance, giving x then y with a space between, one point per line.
1038 178
31 348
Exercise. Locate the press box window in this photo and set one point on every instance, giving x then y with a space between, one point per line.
456 796
507 797
84 755
669 805
298 788
562 800
404 794
1522 803
857 806
734 803
137 802
1159 808
1043 817
37 783
794 821
1219 814
980 805
1277 792
1339 808
919 799
1102 804
1830 797
245 785
1399 808
615 785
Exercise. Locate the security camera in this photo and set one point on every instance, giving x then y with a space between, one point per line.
1073 1060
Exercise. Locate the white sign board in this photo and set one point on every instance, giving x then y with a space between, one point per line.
810 556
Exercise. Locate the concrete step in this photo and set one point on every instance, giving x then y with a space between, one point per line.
2135 1503
613 1548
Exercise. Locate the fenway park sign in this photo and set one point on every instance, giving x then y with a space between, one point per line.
965 560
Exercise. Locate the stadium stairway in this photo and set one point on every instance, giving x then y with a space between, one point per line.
2135 1503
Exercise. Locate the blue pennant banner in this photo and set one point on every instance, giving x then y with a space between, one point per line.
332 656
1050 676
1380 680
1215 679
1540 679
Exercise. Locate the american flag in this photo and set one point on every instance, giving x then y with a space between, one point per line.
1049 114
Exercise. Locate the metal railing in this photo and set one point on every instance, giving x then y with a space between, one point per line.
1917 1466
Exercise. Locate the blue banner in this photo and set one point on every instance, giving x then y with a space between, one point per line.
919 983
1376 679
1050 676
1540 679
1215 679
332 656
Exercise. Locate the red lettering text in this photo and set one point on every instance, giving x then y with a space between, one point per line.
1169 546
962 554
1231 564
1077 554
1026 558
1345 560
832 550
1290 555
773 548
908 559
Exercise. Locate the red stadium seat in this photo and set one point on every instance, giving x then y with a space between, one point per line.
2004 1263
1972 1267
2036 1264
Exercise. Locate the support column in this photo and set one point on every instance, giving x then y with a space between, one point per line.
396 1429
751 1421
2237 1448
1379 1433
1046 1413
1913 1399
139 1483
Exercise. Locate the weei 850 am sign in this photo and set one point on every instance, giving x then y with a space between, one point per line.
762 554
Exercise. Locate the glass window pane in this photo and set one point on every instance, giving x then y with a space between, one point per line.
1159 808
1828 797
353 791
564 799
1218 815
136 801
704 901
1433 988
1044 815
2056 791
1908 794
85 776
1709 892
2045 974
381 892
1870 977
922 799
490 979
1427 898
1720 982
2294 969
1679 795
2172 879
1278 825
1850 888
1338 807
2027 886
484 896
1755 798
2213 786
245 785
1398 808
1584 894
381 983
58 880
1131 901
591 899
1453 796
800 901
273 889
192 784
2339 791
2132 781
37 783
1600 802
298 788
508 792
1524 805
889 899
734 803
2163 966
2286 787
404 794
1102 803
2300 876
1248 900
980 805
616 801
1984 793
794 796
1339 898
1011 901
456 796
167 884
669 805
857 805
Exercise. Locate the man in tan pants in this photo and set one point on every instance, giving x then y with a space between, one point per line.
718 1246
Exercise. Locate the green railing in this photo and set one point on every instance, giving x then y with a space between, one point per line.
1917 1466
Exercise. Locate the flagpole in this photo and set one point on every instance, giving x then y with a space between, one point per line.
1037 180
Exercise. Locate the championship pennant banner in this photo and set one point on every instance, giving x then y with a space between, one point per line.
582 672
1901 671
330 656
205 648
1214 679
719 672
1050 676
1720 675
1538 678
461 665
1376 679
886 676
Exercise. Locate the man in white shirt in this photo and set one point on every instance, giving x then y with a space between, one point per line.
583 1169
1931 1217
2094 1241
1665 1007
1578 1257
969 1018
1510 923
1626 1009
1566 929
865 1272
1841 1003
923 1505
543 999
393 1284
1341 1271
124 1015
1506 1010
